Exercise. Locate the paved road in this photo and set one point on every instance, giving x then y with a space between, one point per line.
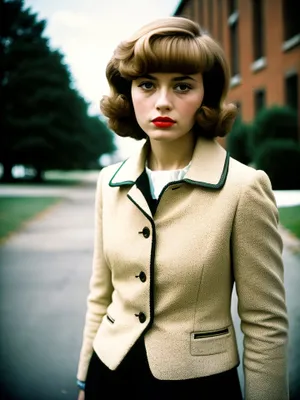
43 286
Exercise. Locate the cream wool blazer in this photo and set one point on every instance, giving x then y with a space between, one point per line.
170 276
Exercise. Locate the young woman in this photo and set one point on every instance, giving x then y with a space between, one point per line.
177 224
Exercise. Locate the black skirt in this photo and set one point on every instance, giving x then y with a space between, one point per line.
134 379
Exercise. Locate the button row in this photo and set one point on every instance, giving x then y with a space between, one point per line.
141 316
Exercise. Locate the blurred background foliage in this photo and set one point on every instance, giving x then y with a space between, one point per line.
44 122
270 143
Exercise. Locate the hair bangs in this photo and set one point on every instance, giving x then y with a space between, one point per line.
183 54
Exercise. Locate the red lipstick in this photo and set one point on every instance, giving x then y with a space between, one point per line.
163 122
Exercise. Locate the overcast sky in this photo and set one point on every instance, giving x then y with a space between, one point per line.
87 31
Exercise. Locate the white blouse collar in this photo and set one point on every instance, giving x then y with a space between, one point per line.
159 179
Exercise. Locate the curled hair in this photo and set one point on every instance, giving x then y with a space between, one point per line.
172 44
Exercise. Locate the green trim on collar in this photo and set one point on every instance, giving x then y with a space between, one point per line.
217 185
222 180
124 183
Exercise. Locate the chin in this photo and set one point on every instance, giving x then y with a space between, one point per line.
162 135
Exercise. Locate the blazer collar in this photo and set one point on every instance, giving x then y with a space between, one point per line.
209 166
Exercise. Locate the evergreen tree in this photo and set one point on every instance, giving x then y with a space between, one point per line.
44 121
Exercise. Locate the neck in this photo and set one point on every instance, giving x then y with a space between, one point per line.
171 155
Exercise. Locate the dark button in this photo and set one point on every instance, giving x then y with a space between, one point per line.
146 232
142 276
142 317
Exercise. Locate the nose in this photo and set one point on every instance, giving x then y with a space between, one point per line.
164 100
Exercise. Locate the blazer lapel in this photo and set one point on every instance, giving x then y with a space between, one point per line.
128 174
137 197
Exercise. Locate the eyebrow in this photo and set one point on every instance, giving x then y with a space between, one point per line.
176 79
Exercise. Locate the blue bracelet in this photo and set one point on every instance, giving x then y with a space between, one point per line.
80 384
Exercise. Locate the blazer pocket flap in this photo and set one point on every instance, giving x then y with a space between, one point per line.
213 342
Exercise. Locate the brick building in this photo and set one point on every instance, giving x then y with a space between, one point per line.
261 39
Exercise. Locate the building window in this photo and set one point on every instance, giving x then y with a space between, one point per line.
291 91
259 100
234 49
233 20
220 20
290 19
258 29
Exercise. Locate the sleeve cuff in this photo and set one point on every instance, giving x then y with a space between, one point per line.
80 384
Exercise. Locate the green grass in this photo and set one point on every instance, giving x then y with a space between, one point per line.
15 211
290 218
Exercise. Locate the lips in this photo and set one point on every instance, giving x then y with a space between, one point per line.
163 122
163 119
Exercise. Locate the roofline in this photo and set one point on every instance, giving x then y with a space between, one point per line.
180 7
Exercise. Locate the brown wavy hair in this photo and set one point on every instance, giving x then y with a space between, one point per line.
172 44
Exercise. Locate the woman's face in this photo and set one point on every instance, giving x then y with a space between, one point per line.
166 104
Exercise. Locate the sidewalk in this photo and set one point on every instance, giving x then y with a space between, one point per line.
44 275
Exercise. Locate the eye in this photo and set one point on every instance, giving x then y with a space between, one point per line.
183 87
146 85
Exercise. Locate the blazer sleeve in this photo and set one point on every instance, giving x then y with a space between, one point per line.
259 276
100 289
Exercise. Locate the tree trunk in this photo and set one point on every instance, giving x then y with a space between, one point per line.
7 175
39 177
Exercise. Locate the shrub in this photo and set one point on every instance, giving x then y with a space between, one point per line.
280 159
237 141
276 122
